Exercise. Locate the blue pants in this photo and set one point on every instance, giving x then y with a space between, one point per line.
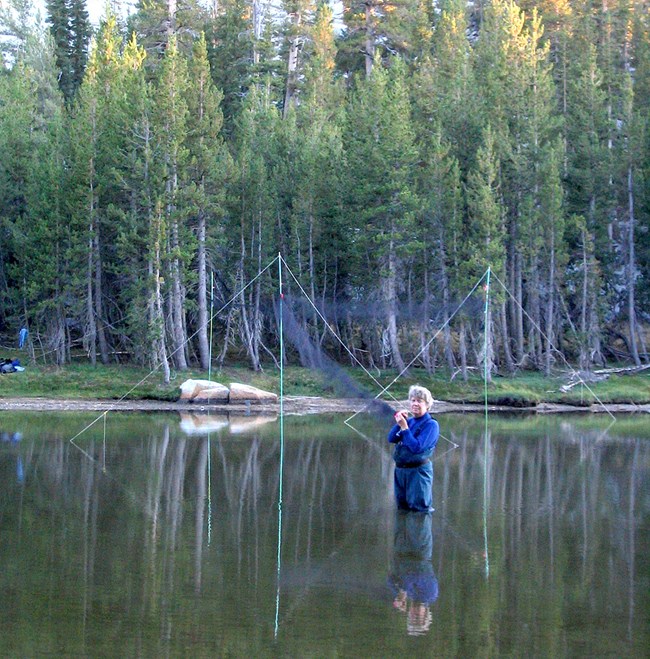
414 487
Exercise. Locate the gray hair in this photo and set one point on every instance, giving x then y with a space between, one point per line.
421 393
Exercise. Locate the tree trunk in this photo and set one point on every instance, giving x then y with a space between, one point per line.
249 311
505 337
584 301
91 332
156 316
292 65
488 347
425 347
370 38
202 331
444 276
550 310
519 309
462 350
99 300
534 333
391 309
631 269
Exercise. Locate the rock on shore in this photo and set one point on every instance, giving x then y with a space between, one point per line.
206 391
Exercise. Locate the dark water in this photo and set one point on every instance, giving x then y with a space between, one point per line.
146 536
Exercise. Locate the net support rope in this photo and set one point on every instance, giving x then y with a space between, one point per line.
112 407
425 347
383 390
553 346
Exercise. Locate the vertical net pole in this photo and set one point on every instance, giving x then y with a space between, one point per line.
209 443
281 475
487 347
211 315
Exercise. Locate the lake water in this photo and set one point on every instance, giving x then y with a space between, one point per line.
157 535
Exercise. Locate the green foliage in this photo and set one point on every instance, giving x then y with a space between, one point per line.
416 149
71 30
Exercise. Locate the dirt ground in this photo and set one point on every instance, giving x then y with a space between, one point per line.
291 405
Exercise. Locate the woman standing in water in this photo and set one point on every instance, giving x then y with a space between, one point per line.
415 439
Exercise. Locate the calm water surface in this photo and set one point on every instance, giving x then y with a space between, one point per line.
160 535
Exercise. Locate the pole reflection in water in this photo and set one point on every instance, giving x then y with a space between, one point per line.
412 579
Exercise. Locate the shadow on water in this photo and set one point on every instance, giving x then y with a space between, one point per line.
165 542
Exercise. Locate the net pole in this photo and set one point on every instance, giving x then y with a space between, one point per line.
486 442
281 475
211 317
210 380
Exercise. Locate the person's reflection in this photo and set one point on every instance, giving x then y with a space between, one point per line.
13 439
412 580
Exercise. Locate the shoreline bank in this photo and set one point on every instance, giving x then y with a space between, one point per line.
293 405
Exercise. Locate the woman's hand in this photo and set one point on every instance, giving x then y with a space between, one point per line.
400 420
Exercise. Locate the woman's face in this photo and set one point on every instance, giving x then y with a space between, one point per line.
419 407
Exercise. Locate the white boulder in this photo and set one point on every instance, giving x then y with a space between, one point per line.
240 393
204 391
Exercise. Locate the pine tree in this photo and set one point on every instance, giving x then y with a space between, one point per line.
586 186
300 17
70 28
486 228
230 52
382 202
395 27
80 33
170 119
209 166
254 227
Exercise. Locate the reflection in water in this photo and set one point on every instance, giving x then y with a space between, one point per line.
87 550
201 424
412 580
13 438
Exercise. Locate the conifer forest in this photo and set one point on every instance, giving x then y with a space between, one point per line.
399 155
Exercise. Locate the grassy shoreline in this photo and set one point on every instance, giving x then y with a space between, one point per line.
126 382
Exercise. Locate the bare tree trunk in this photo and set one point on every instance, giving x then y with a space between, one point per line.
370 36
226 339
444 276
249 317
425 350
202 330
534 334
584 314
99 300
631 269
292 64
519 309
488 347
91 332
176 302
462 349
550 310
257 29
156 316
391 308
505 337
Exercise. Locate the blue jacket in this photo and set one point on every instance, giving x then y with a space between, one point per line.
417 442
